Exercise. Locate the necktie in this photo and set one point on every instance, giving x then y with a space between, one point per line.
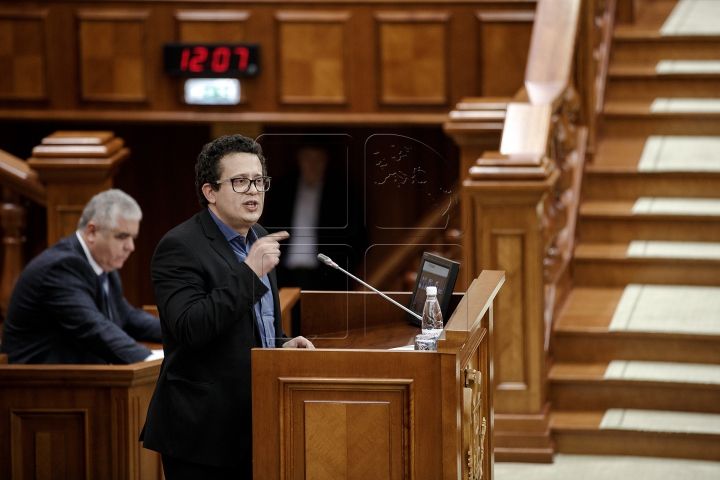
106 292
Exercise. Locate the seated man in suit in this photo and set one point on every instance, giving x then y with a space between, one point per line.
68 306
216 290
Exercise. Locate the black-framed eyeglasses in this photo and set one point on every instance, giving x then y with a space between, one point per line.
242 184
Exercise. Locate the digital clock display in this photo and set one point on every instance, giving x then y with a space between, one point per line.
212 60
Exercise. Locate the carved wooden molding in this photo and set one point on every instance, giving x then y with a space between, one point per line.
212 15
522 16
412 17
474 423
114 15
313 17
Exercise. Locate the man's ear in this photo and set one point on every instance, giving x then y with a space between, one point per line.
209 193
91 232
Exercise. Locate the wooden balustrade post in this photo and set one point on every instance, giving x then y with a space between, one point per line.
12 222
74 166
509 196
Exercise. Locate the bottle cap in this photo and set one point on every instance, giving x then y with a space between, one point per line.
431 290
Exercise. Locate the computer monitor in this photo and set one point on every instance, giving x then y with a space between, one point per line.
434 271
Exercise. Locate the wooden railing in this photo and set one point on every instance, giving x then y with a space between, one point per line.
522 204
17 180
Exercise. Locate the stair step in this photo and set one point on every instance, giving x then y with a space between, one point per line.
654 207
664 116
658 153
626 168
603 324
693 17
653 85
621 183
681 69
637 45
651 262
650 218
638 432
635 384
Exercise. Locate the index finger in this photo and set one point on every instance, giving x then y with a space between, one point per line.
277 236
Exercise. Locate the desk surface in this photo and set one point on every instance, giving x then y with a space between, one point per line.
373 338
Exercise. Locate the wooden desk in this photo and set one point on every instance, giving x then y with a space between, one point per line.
76 421
352 408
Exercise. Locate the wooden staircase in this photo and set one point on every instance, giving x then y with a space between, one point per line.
585 348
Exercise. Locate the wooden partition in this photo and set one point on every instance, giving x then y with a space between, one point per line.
76 421
356 408
521 205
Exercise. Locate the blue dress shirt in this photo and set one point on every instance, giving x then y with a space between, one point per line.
265 308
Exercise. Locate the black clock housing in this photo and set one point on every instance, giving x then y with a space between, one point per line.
210 60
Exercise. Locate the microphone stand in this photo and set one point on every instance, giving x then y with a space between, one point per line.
327 261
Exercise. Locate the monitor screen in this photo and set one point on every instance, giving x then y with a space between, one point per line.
437 272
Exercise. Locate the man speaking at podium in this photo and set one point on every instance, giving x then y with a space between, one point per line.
217 295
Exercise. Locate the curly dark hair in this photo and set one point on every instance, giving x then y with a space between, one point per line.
207 168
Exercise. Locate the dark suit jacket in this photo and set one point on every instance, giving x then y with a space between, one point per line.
201 408
57 314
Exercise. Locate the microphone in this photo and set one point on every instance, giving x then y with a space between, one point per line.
327 261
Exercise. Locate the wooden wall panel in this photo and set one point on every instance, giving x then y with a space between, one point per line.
311 57
212 26
503 42
510 361
49 444
23 55
412 58
112 55
328 417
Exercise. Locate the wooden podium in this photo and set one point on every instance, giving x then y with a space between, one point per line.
76 421
357 408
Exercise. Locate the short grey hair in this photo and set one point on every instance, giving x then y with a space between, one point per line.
105 208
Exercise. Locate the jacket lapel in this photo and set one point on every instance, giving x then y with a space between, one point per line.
218 241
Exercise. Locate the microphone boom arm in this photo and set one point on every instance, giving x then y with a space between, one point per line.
327 261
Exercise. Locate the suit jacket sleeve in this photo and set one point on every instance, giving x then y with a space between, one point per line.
139 324
69 293
201 294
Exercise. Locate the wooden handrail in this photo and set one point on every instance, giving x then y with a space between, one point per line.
18 176
523 203
552 49
17 179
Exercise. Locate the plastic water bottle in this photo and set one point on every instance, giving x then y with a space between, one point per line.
432 321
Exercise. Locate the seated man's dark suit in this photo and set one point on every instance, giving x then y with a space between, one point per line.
201 408
58 314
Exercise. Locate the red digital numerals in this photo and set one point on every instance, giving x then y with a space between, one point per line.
195 59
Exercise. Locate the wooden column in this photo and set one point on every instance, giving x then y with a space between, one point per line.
508 195
476 125
12 222
74 166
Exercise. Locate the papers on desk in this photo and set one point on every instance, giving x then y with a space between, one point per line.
406 347
156 354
